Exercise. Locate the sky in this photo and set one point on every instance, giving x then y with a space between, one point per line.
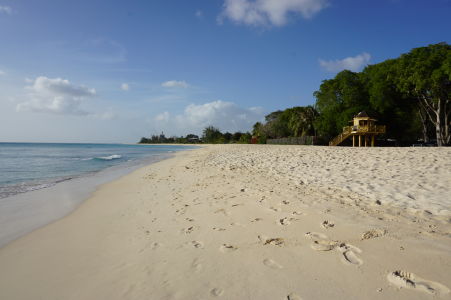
113 71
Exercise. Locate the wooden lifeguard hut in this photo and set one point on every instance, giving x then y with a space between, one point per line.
363 127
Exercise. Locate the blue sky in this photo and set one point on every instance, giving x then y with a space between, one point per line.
113 71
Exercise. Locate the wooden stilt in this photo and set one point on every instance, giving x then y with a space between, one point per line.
372 141
353 141
360 141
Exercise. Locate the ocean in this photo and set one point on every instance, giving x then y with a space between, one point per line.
40 183
27 167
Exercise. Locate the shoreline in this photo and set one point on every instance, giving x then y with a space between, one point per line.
22 213
216 222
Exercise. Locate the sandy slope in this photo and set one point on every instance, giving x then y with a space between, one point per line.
249 222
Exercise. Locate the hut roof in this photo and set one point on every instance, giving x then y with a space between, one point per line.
362 114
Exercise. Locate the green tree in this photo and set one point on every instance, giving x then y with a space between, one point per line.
245 138
300 120
425 74
338 100
276 124
258 130
390 106
236 136
228 137
212 135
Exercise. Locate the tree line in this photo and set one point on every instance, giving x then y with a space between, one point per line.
410 94
210 135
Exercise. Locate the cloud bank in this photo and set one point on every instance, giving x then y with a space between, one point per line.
175 84
57 96
354 64
227 116
269 12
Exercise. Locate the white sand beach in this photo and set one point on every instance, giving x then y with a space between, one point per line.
251 222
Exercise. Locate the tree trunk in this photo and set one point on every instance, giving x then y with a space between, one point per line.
438 114
447 109
438 124
424 123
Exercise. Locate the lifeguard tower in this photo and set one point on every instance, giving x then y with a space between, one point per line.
363 127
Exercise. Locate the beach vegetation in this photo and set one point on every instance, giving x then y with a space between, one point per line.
411 95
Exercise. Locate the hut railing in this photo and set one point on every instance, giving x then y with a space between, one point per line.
342 136
350 130
379 129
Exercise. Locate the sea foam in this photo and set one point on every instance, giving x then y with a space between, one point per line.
114 156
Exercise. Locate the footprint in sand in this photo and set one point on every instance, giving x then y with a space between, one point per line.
284 221
196 265
272 264
223 211
297 213
187 230
349 254
197 244
403 279
218 229
321 241
217 292
316 235
293 296
373 233
271 241
227 248
324 245
327 224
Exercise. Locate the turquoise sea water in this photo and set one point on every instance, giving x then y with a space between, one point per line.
31 166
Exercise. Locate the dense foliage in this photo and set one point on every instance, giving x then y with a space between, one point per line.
292 122
410 94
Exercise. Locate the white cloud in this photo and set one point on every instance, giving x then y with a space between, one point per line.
269 12
227 116
56 95
125 87
2 73
175 83
354 64
6 10
199 13
163 117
